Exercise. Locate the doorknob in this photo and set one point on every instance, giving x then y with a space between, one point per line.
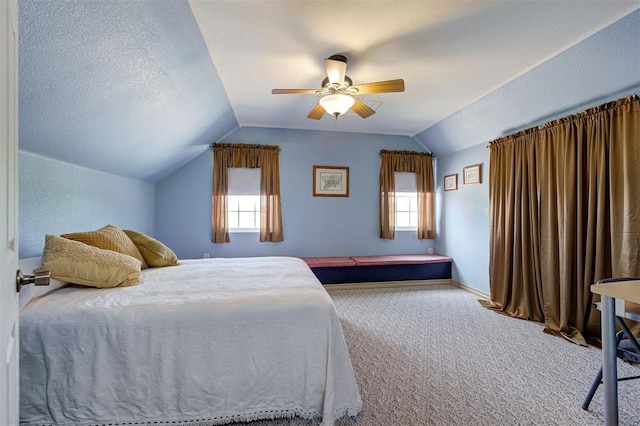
39 278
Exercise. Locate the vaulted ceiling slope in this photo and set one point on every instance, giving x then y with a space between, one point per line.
125 87
138 88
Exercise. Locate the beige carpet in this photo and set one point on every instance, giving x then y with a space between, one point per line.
434 356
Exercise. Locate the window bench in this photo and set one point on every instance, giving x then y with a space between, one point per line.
363 269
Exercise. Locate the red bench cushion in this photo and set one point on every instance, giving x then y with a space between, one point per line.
323 262
400 259
393 259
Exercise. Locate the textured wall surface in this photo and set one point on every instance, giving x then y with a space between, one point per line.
129 88
313 226
57 197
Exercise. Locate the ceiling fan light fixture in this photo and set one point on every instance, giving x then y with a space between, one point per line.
337 104
336 70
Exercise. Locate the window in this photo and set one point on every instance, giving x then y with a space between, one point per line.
406 201
243 209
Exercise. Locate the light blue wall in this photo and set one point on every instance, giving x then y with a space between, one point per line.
57 197
313 226
602 68
588 74
462 218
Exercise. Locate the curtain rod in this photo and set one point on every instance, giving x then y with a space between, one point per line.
242 145
586 112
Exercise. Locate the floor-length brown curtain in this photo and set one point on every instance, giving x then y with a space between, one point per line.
514 253
421 164
266 157
586 170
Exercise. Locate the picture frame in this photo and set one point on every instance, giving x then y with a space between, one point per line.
451 182
330 181
472 174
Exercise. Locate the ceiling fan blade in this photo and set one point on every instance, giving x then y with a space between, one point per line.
381 87
362 109
293 91
316 113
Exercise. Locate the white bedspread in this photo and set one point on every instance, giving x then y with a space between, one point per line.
207 342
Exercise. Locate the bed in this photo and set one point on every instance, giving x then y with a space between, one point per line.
210 341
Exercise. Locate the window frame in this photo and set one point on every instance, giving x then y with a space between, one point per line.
244 182
413 213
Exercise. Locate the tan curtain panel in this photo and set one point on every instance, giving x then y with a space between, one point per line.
513 225
219 218
251 156
421 164
565 205
270 212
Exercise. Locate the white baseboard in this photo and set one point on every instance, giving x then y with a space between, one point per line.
408 283
478 293
386 284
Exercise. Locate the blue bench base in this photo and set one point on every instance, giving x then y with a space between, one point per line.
380 273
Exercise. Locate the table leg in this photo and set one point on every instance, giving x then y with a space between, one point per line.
609 366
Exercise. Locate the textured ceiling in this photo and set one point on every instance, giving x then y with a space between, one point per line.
138 88
125 87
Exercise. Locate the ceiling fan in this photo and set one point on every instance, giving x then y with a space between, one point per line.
338 92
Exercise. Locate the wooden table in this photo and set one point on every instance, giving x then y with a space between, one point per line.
621 298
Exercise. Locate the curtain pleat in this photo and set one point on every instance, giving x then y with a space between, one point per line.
265 157
387 198
270 212
421 164
515 283
425 184
583 220
219 217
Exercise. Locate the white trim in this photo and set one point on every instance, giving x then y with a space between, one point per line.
386 284
477 292
244 230
407 283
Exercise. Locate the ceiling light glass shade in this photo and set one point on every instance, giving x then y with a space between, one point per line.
337 104
335 70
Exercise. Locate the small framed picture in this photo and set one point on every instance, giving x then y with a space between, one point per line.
330 181
451 182
472 174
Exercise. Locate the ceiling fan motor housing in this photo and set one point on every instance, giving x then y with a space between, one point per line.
340 58
347 82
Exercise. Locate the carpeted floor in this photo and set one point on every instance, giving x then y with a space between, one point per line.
434 356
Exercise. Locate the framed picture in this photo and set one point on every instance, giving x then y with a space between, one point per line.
451 182
472 174
330 181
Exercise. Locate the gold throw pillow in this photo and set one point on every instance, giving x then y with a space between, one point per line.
79 263
155 253
109 237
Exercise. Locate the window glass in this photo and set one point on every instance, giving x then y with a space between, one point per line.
244 199
406 201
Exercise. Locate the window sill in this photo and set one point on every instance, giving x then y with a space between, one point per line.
407 229
244 231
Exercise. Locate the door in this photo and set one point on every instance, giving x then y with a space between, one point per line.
8 212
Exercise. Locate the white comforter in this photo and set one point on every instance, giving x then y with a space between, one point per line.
207 342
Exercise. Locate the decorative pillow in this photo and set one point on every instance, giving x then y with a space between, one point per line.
154 252
80 263
109 237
